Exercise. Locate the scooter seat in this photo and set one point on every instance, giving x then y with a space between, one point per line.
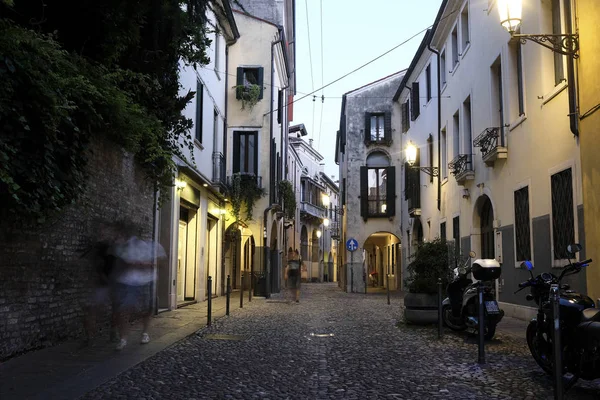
590 315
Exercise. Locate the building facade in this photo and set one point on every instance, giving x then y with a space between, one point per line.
509 184
191 222
369 155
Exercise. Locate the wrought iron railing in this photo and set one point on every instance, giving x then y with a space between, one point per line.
219 174
334 229
460 164
245 177
487 140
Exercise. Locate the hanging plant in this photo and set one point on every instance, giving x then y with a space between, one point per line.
286 191
248 94
244 189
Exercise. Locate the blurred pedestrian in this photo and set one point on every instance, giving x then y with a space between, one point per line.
293 275
133 280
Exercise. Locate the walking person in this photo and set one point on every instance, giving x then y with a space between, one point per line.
293 276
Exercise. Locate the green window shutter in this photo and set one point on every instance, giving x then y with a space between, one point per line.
260 81
390 195
239 82
416 107
387 126
364 192
236 152
367 128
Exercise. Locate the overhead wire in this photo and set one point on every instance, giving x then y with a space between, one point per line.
311 68
322 81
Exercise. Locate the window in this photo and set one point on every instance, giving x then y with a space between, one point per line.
215 129
455 54
245 152
497 98
443 231
405 116
279 106
443 67
464 27
430 155
247 76
378 127
428 81
559 69
199 101
415 101
217 51
444 146
468 136
563 219
516 104
522 224
377 180
456 234
456 135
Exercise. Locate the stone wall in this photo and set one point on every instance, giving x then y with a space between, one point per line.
45 282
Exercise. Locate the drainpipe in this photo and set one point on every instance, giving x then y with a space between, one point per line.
155 217
573 113
223 267
439 130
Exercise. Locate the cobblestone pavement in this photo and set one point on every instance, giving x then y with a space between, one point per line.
334 345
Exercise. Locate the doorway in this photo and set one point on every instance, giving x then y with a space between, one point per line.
487 229
186 255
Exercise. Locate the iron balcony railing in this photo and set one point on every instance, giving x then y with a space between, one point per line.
334 229
312 209
245 178
460 164
219 174
487 140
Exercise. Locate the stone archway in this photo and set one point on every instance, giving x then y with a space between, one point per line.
382 261
482 235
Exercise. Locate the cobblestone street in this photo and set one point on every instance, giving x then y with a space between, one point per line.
334 345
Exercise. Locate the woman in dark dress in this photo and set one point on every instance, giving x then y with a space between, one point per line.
293 274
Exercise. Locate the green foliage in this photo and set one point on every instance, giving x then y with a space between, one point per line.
431 261
248 95
286 191
75 70
244 189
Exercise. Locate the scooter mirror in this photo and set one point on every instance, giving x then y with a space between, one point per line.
527 264
472 254
574 248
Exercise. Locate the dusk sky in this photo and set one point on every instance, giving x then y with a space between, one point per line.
353 34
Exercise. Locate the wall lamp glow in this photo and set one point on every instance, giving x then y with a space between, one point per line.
180 184
411 158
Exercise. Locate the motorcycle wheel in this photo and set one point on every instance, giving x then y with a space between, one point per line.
541 349
490 331
450 321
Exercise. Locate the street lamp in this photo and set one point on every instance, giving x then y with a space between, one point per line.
411 158
510 12
319 233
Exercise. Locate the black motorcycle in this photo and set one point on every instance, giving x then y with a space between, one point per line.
579 323
459 309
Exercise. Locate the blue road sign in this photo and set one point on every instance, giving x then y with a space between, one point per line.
352 244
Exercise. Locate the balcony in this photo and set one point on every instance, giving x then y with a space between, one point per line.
488 141
311 212
245 180
414 207
335 230
462 168
219 177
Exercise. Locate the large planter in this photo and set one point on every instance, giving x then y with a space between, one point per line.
421 308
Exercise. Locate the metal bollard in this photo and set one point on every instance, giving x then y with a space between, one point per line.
558 375
228 295
250 288
440 312
209 311
351 280
242 292
388 288
481 321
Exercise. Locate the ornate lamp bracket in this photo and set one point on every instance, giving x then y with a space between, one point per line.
431 171
567 44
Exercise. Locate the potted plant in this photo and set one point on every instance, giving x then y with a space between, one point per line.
432 261
249 95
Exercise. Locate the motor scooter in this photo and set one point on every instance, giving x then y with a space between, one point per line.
459 309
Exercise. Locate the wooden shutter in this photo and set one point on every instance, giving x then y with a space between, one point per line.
273 168
406 181
279 106
367 128
260 81
364 192
387 127
404 116
416 105
239 83
390 195
236 152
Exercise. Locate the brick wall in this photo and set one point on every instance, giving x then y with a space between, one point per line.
44 282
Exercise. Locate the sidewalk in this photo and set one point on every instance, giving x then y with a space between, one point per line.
68 371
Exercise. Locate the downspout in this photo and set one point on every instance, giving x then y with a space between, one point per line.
439 130
223 267
572 86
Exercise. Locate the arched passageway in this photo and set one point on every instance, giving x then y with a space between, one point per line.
382 262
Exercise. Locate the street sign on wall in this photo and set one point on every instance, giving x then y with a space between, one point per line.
352 244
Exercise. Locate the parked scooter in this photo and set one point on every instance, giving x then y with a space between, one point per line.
579 323
460 308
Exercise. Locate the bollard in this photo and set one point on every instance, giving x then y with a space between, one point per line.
558 375
388 288
365 281
242 292
228 295
209 310
481 326
250 289
351 280
440 312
